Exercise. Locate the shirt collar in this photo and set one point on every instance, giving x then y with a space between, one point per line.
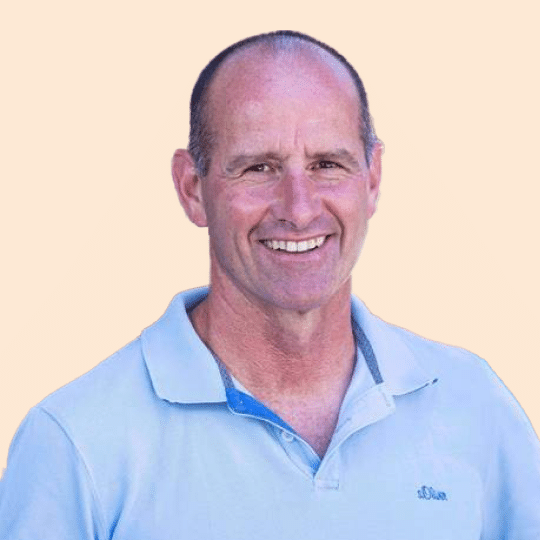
181 367
183 370
400 366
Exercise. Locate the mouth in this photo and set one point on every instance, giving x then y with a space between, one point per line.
291 246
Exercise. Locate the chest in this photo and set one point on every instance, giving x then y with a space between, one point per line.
236 477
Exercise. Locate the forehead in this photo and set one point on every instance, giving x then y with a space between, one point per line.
261 85
264 62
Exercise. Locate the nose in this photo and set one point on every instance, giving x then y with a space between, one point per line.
298 201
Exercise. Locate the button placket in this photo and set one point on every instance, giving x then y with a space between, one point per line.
299 452
374 405
327 476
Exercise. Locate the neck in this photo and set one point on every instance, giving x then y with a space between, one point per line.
277 352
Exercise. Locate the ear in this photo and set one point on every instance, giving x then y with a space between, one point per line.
188 187
374 178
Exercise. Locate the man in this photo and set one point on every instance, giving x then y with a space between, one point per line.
272 405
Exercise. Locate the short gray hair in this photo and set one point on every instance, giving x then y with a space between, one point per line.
201 138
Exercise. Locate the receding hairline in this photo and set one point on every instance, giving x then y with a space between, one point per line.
293 49
283 47
279 43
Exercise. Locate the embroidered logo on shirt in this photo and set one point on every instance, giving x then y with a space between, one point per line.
428 493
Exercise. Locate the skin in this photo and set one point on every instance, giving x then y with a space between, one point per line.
288 164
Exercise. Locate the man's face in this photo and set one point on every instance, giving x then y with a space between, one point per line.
289 193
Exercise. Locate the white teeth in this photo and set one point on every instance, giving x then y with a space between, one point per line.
292 247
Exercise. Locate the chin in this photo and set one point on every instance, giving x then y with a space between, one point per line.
300 303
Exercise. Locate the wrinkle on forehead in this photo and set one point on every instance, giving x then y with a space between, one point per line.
290 71
319 126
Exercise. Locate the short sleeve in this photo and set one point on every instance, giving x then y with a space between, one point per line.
512 505
46 491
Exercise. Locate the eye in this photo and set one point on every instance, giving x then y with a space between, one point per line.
325 164
259 168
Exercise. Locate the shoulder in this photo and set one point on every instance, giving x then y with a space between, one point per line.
456 364
113 389
439 356
433 356
124 368
463 378
466 382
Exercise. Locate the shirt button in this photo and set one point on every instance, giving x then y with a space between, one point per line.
287 437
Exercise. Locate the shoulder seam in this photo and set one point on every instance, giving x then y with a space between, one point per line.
93 487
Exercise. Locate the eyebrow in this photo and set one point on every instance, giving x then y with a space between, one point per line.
241 160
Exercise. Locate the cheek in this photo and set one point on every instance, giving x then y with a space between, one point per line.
349 203
245 206
234 214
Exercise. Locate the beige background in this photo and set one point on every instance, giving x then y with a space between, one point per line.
95 100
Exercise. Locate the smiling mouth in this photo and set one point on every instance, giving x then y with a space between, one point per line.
295 247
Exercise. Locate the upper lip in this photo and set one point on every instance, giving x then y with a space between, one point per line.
302 239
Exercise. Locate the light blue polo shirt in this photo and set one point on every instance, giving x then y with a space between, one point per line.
158 443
